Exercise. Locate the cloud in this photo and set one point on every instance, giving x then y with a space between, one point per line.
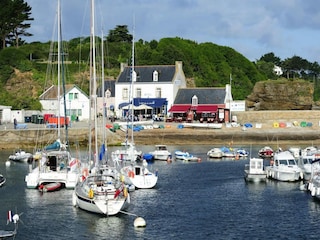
251 27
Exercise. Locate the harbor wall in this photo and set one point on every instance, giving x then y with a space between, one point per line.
269 117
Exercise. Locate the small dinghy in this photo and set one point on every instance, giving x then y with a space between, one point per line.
50 187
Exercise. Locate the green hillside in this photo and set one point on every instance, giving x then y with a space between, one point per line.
207 64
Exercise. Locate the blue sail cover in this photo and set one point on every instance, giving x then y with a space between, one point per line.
53 146
102 151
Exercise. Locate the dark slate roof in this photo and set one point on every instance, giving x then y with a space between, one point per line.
52 92
108 84
145 73
204 95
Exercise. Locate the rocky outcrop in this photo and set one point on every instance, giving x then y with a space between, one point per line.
281 95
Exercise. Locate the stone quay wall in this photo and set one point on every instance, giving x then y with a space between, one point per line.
269 117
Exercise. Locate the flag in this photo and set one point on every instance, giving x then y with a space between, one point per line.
9 219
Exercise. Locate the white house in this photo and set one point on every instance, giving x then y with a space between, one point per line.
5 114
77 102
154 85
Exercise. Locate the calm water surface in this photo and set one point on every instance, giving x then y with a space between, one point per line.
206 200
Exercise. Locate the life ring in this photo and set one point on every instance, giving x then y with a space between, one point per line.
131 174
275 124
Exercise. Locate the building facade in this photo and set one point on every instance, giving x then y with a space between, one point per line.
155 86
76 102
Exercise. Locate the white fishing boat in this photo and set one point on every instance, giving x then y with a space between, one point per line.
284 168
139 176
305 163
215 153
313 185
254 171
20 156
161 152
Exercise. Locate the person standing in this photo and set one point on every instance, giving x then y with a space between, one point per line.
15 123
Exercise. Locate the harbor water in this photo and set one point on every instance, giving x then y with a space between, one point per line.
192 200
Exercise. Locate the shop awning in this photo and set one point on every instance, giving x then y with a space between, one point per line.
152 102
206 108
180 108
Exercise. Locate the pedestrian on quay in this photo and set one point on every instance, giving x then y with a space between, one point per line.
15 123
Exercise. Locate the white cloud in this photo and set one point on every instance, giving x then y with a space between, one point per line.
251 27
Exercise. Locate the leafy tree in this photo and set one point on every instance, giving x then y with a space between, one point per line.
13 14
271 58
119 34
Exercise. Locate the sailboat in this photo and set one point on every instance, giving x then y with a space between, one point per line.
102 191
56 164
134 174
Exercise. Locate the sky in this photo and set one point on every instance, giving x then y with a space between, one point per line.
251 27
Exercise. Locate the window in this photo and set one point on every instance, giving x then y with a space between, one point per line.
155 76
138 93
158 92
70 96
194 101
125 93
76 95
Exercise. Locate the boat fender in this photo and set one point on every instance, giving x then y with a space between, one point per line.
85 173
237 156
125 192
122 178
131 174
91 193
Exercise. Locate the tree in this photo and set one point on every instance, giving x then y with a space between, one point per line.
13 14
270 57
119 34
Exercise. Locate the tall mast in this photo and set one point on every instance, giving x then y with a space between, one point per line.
94 75
59 70
133 79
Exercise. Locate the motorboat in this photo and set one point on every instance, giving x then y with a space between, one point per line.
128 153
2 180
305 163
266 152
54 166
240 152
139 175
254 171
101 192
20 156
313 184
309 151
215 153
284 168
296 151
228 152
50 187
161 152
186 156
